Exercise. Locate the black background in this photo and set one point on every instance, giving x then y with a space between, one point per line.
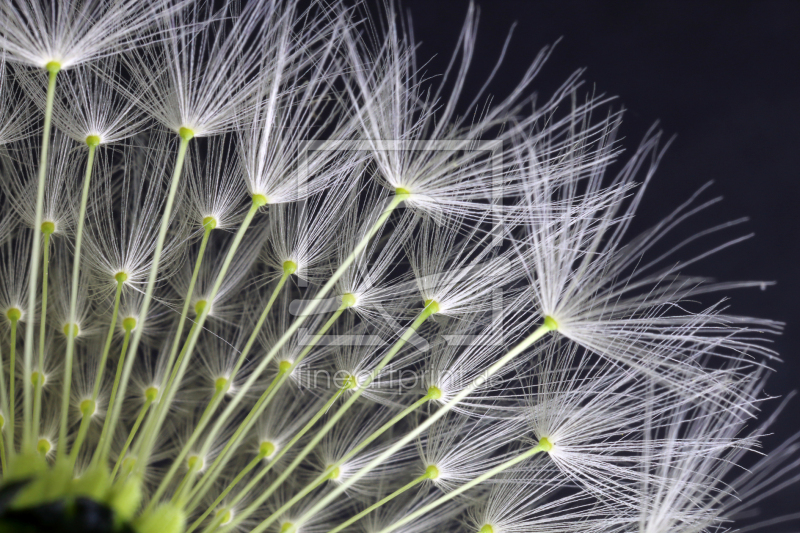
724 78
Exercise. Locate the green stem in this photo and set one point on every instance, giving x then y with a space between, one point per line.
324 409
104 444
3 454
193 500
147 403
219 394
27 429
363 444
188 300
12 380
258 408
430 473
73 300
104 357
430 308
463 488
149 427
87 410
185 482
166 397
309 310
3 406
548 326
37 389
113 418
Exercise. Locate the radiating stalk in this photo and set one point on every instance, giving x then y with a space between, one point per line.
324 409
548 326
430 473
208 226
262 454
149 398
432 394
87 410
258 408
430 308
47 230
221 387
149 427
27 430
3 409
113 417
543 446
14 316
103 445
98 379
92 142
398 198
3 463
159 415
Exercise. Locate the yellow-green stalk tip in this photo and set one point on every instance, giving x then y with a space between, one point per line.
75 330
260 200
185 133
53 67
289 267
13 314
48 227
348 299
209 222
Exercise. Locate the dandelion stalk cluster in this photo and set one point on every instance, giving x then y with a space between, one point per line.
262 271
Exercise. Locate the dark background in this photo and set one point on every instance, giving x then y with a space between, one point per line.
724 78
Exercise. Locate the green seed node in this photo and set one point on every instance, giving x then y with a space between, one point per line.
350 382
225 515
221 384
209 222
286 526
129 463
266 448
121 277
199 306
486 529
53 67
150 394
87 407
43 446
75 330
14 314
431 472
434 392
260 200
334 474
289 267
93 140
550 323
348 299
36 378
48 228
194 462
432 305
545 444
185 133
284 366
128 324
402 192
